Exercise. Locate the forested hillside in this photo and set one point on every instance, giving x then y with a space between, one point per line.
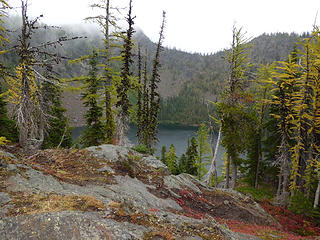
208 76
188 80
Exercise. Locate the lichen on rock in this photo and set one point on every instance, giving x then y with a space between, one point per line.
112 192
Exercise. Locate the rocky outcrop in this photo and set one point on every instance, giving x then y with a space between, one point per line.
110 192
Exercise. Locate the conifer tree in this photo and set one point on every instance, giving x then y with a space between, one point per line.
301 114
154 94
171 160
140 100
145 118
111 36
126 75
182 164
313 163
163 154
306 122
231 108
94 133
261 93
283 100
58 133
191 157
203 150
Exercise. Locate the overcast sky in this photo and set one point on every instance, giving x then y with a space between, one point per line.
195 26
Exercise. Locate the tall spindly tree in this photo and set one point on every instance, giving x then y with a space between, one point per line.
231 108
126 78
204 150
140 100
107 22
145 113
284 84
154 94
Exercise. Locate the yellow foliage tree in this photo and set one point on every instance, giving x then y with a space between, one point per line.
284 82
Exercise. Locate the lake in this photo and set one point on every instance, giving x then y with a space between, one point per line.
167 134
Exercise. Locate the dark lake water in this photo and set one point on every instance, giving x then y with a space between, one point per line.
167 135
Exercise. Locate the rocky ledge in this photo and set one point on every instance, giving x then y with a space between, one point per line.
111 192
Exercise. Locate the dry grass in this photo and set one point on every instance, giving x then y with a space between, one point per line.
73 166
36 203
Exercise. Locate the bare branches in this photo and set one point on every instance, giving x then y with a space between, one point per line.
26 88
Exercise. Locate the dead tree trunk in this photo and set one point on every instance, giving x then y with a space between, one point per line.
213 167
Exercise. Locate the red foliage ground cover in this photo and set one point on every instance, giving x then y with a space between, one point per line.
290 221
264 232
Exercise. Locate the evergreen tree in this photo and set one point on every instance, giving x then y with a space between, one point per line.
231 108
163 154
110 30
154 94
145 118
191 157
59 132
126 75
182 164
171 160
139 103
94 133
203 150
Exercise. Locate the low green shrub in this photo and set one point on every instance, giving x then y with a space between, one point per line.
258 194
141 148
300 204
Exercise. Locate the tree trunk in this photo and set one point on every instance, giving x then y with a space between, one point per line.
23 137
317 195
279 185
234 174
121 131
228 173
286 176
258 160
122 128
213 167
283 187
108 81
39 142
